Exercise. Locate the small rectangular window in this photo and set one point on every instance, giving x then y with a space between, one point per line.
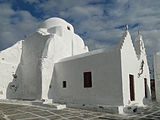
64 84
87 79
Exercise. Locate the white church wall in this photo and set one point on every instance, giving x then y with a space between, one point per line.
58 47
131 66
9 61
129 63
143 70
38 65
106 79
31 66
145 75
53 41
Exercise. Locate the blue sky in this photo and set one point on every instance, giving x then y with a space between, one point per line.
99 22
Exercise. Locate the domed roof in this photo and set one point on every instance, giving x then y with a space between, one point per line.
55 21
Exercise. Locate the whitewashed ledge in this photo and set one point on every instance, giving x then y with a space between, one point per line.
98 108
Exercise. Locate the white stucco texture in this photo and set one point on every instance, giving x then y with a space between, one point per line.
110 71
106 79
9 61
132 65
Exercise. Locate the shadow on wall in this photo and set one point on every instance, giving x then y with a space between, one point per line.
27 80
147 98
53 85
14 89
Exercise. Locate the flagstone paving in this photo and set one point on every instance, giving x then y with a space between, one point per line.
30 112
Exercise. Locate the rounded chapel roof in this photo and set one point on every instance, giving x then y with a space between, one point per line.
55 21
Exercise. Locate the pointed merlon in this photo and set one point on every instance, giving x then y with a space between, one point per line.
126 26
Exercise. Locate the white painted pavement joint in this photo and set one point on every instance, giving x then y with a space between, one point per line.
5 116
14 114
32 114
150 114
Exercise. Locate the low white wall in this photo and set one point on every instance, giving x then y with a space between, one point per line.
131 65
106 80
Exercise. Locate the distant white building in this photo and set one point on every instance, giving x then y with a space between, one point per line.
54 63
157 75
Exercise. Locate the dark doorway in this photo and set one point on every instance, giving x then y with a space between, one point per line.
145 87
131 78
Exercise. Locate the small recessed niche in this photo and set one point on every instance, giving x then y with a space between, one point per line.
14 76
13 86
2 58
68 28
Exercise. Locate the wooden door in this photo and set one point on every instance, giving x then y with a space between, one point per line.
132 97
145 87
87 79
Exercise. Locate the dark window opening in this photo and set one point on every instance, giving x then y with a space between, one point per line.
131 80
68 28
145 87
64 84
87 79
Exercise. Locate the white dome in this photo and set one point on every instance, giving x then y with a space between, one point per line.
54 22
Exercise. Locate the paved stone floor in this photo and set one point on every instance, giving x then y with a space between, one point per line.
28 112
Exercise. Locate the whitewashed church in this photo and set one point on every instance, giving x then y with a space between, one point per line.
54 63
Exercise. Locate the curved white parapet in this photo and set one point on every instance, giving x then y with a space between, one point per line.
54 22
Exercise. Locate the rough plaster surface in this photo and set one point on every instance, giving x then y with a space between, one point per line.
9 61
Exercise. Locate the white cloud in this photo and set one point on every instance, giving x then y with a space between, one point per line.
14 25
96 21
32 1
